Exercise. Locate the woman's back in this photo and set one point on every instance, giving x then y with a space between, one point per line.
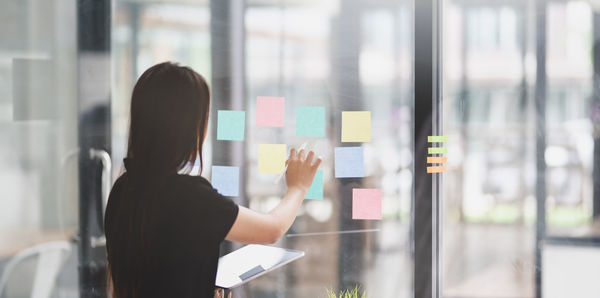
163 230
167 246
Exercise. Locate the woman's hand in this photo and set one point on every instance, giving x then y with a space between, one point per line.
254 227
301 170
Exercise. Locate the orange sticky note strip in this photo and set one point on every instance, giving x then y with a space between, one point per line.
437 159
439 169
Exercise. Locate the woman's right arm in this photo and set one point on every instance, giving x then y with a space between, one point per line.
254 227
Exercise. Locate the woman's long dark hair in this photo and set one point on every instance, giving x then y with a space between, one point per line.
169 113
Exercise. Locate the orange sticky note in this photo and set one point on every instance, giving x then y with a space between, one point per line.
437 159
438 169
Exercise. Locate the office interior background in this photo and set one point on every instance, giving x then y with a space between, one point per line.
517 211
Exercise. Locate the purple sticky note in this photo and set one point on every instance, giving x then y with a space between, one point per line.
270 111
366 203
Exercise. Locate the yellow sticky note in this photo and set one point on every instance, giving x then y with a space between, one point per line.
271 158
356 126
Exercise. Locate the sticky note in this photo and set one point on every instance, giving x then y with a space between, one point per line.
315 192
271 158
231 125
366 203
349 162
356 126
438 169
437 150
310 121
226 180
436 139
270 111
437 159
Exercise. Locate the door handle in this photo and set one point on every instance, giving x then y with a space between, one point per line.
104 158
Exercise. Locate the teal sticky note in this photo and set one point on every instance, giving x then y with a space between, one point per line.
231 125
310 121
315 192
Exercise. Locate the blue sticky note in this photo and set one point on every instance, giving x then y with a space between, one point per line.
310 121
231 125
226 180
349 162
315 192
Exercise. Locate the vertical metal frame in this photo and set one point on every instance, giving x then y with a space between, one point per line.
93 100
438 125
227 34
540 140
347 93
228 89
596 115
428 121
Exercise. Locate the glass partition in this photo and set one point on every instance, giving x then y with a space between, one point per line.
521 116
569 115
38 146
341 56
518 97
144 34
338 56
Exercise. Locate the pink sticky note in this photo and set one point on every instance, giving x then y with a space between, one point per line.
366 203
270 111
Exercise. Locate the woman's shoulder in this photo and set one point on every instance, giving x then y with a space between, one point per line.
179 183
192 183
118 185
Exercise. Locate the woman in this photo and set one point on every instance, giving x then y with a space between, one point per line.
163 228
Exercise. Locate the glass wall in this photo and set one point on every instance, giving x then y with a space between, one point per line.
342 56
521 113
145 34
489 190
492 186
38 144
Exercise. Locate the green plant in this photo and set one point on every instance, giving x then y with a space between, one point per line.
354 293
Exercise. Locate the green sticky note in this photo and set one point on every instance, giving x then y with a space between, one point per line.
315 192
231 125
310 121
436 139
437 150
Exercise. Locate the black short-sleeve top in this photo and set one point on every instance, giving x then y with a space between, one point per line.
165 236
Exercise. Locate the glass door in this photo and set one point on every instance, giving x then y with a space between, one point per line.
479 177
352 60
323 57
54 148
520 206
